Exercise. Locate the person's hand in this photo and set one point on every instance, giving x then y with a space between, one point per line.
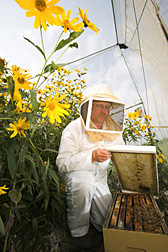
100 155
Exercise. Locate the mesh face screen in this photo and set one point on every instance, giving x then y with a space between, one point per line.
106 113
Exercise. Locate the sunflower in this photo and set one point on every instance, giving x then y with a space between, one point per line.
21 79
66 24
19 127
137 132
18 100
17 96
135 115
2 188
130 115
43 11
54 109
87 22
143 127
3 63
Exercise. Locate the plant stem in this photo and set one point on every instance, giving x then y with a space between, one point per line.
34 148
7 234
62 54
46 60
11 209
54 62
42 42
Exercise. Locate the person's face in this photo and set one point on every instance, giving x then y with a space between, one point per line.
100 112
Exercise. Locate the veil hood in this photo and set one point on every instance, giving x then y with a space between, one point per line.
113 125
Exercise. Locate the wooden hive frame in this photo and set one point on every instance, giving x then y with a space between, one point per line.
136 212
134 222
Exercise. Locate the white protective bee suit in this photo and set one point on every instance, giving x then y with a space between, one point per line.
88 195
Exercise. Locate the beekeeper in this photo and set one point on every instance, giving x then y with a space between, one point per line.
83 160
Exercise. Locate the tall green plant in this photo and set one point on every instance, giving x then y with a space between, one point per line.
33 112
36 199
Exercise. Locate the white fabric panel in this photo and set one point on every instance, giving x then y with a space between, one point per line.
154 49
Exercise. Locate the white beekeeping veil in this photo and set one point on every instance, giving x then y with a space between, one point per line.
109 108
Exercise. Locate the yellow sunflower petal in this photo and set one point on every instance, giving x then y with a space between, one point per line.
74 20
58 119
10 129
4 187
68 15
43 22
81 12
11 125
22 132
52 118
57 10
25 4
53 2
77 27
44 114
37 21
63 15
14 134
31 13
50 18
2 192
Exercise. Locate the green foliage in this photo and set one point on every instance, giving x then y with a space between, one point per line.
37 47
2 228
36 201
64 42
163 144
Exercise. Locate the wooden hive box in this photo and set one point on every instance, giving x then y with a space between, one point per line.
134 222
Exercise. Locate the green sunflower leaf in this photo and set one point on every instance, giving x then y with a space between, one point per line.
12 150
34 101
54 176
52 67
74 45
11 85
15 195
38 48
72 36
2 228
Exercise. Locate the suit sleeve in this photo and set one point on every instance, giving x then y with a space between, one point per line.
70 158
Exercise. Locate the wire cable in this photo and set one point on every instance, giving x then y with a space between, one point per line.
89 55
115 25
139 42
137 23
133 80
105 71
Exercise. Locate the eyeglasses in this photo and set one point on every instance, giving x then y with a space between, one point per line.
101 106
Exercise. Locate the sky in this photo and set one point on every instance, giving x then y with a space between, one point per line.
16 50
15 25
104 67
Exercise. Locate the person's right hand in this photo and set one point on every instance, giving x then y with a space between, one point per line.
100 155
